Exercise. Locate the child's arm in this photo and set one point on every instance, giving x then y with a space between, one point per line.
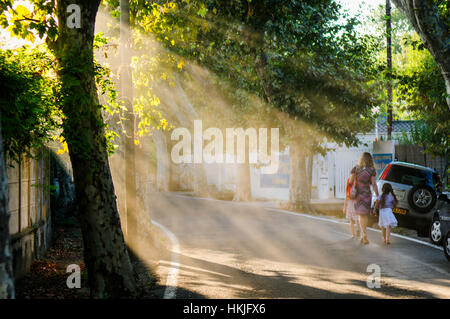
345 206
376 205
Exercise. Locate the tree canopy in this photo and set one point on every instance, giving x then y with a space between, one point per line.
296 56
28 99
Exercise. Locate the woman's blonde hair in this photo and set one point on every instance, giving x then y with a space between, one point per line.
366 160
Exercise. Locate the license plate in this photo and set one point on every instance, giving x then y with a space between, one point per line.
400 211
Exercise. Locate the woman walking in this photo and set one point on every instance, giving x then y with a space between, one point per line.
364 174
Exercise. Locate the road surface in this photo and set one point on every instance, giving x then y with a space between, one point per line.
238 250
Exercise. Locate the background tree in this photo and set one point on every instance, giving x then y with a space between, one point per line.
389 66
286 53
126 90
431 20
294 56
419 91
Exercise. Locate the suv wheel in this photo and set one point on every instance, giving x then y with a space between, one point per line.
435 231
447 246
422 198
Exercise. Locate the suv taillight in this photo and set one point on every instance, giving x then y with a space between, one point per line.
385 172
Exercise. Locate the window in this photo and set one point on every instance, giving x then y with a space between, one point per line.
409 176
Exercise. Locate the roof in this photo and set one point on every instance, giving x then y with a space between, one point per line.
397 126
413 166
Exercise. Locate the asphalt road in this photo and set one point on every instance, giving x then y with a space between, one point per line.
236 250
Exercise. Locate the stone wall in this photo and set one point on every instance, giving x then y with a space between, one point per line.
29 207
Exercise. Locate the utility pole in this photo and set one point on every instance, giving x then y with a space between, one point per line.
126 92
389 67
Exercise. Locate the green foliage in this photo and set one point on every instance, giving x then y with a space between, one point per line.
149 68
421 134
298 57
292 55
40 21
376 23
25 23
28 99
418 86
422 88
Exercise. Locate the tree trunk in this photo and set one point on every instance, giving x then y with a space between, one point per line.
178 104
299 192
6 269
200 181
162 161
435 35
243 186
389 67
126 92
108 264
309 175
447 87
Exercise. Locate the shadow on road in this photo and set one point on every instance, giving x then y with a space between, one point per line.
278 284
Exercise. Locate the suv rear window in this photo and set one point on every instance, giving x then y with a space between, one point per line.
409 176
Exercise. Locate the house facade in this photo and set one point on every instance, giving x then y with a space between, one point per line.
329 172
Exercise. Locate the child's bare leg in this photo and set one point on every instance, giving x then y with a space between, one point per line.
352 227
388 234
383 233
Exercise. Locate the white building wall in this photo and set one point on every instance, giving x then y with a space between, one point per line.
261 192
329 175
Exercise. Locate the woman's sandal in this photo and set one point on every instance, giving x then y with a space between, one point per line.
364 240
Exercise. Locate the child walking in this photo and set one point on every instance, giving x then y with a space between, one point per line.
386 201
349 211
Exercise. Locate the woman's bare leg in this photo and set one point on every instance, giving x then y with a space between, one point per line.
358 228
363 221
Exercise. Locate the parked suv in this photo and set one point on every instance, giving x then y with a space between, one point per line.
416 188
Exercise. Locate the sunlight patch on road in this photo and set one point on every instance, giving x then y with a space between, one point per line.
172 276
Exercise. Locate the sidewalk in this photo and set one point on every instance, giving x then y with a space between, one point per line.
328 205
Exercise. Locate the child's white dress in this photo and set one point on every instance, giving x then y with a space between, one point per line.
386 217
350 211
